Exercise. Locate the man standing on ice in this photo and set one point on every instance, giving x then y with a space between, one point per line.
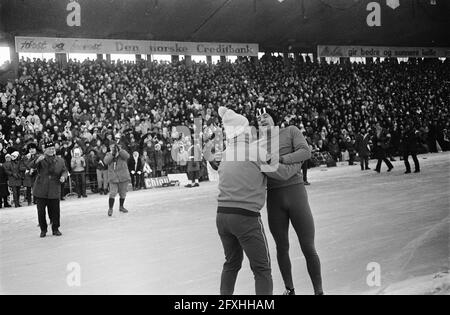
118 175
242 195
51 172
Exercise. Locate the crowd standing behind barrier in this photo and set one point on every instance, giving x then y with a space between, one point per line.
86 106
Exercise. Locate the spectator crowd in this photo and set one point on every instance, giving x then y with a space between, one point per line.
85 107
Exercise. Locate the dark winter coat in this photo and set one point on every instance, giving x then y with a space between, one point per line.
49 172
4 192
30 172
410 142
132 164
362 145
15 171
381 144
158 160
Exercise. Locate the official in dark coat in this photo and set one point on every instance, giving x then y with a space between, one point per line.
362 146
51 172
410 144
381 144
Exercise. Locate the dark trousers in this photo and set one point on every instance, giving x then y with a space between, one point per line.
53 212
286 206
241 234
414 157
4 202
385 160
80 183
93 181
305 171
137 180
16 195
63 190
28 195
351 159
364 161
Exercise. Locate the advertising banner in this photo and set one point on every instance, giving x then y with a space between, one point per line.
110 46
382 52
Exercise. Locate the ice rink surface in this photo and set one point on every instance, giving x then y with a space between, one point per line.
168 243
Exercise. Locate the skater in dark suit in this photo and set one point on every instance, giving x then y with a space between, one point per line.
51 172
363 148
410 143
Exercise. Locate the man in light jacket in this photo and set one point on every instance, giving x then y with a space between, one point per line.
118 175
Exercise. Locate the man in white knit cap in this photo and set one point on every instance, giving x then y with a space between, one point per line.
242 195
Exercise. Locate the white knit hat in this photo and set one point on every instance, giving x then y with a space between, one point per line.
234 124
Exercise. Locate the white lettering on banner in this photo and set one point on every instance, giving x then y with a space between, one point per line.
121 47
374 17
74 17
108 46
386 52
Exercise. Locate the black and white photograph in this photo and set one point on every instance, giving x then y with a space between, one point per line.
223 154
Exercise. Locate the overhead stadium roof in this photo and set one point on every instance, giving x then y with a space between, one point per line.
275 25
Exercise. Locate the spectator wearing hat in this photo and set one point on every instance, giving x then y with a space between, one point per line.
51 172
118 175
15 171
30 172
78 165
